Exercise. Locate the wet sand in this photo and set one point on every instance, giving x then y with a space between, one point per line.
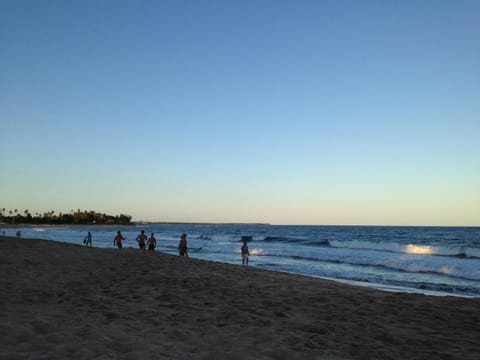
60 301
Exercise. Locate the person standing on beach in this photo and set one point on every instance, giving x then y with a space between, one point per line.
118 239
141 240
152 243
88 239
182 246
245 254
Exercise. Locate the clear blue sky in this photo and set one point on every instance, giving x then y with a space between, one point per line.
288 112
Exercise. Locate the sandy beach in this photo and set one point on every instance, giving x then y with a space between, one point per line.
62 301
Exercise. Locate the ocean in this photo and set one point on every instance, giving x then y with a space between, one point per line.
428 260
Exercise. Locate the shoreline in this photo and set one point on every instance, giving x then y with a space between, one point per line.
366 284
61 300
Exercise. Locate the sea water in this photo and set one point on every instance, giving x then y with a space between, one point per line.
430 260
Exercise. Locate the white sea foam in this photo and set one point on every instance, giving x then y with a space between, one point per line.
472 252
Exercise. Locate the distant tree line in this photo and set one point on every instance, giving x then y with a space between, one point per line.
73 217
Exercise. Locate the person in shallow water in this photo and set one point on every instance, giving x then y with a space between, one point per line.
245 253
182 246
141 240
152 243
118 239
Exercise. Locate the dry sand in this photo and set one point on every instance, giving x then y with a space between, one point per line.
61 301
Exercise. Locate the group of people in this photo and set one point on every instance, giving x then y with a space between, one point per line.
151 243
142 240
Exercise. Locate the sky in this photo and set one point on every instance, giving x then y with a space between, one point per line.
285 112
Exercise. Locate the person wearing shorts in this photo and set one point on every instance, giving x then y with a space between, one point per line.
152 243
141 240
118 239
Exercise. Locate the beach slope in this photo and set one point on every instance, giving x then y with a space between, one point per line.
61 301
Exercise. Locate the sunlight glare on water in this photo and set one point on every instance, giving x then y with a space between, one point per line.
418 249
257 251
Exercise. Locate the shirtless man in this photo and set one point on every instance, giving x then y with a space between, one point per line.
118 239
141 240
152 243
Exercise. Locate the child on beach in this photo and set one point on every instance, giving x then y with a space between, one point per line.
152 243
118 239
245 254
141 240
182 246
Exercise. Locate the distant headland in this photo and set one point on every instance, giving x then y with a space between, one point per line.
78 217
89 217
